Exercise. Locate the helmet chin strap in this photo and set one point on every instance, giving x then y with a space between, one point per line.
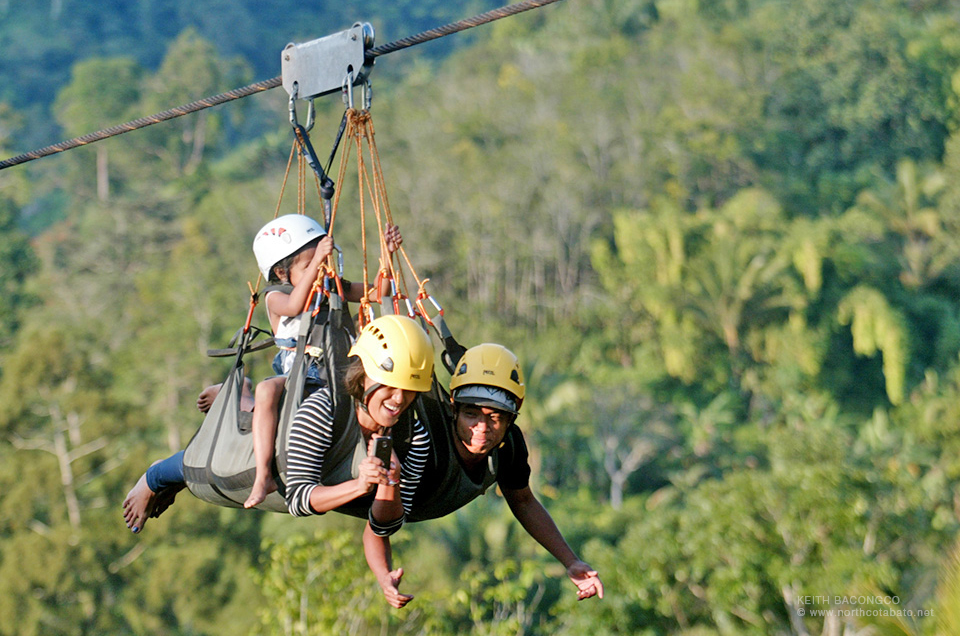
367 394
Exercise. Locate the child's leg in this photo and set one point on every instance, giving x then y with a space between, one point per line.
265 418
246 395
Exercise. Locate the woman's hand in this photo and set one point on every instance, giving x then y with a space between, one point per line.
393 474
390 473
372 474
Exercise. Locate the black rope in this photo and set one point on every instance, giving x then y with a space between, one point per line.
143 122
259 87
461 25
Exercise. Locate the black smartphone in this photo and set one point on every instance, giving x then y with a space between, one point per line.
383 446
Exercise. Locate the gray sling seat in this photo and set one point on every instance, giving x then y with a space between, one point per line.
218 462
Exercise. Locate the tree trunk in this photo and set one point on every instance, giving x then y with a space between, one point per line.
66 478
831 625
199 141
173 427
789 594
617 477
103 175
616 491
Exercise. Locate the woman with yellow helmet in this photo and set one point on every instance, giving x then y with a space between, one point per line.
394 362
477 445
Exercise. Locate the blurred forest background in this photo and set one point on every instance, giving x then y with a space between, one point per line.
722 235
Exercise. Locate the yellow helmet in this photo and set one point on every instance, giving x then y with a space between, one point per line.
396 352
488 375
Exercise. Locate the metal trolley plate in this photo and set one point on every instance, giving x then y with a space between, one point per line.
319 67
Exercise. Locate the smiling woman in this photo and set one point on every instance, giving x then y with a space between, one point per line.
394 363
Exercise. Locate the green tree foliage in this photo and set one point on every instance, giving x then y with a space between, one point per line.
17 264
850 72
738 555
320 585
721 235
42 42
877 327
191 69
65 432
703 284
101 91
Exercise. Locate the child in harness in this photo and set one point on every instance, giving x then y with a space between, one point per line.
290 250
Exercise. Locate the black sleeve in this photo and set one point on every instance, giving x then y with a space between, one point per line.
513 470
384 529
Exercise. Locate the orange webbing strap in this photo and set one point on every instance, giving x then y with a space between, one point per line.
255 289
372 184
356 131
387 269
286 174
254 299
392 272
301 184
301 209
375 188
341 174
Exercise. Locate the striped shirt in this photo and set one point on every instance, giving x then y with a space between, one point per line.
311 436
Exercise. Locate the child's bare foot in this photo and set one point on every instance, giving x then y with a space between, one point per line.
261 488
138 505
207 396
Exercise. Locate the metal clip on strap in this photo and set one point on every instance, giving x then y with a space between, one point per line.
311 111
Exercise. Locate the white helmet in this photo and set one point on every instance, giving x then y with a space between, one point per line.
282 237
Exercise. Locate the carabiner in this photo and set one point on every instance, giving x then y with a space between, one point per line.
365 314
367 93
336 248
421 296
311 115
311 111
331 283
347 89
396 296
411 312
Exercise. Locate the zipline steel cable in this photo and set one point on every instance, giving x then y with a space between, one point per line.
265 85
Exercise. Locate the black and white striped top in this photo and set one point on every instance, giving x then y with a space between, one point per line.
311 436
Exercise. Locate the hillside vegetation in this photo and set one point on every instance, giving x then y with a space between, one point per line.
723 237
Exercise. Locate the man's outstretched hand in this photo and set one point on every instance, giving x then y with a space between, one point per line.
390 584
586 579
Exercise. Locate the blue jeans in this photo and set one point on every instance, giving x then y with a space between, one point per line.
165 473
284 359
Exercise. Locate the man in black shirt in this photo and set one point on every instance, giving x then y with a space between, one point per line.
475 446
